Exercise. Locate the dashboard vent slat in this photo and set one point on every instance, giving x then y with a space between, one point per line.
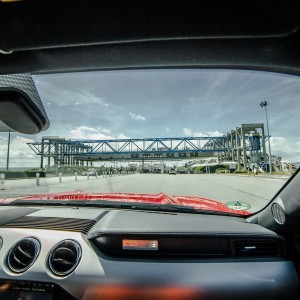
278 213
53 223
256 248
64 257
23 255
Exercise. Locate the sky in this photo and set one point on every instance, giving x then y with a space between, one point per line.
162 103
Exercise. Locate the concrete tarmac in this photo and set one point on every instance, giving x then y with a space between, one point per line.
254 190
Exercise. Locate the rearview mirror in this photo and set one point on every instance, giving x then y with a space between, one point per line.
19 111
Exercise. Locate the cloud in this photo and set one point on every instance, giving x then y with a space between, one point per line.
20 154
90 133
64 88
215 133
208 133
137 117
187 131
280 146
104 130
122 136
200 134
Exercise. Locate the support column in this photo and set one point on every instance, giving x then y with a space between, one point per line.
244 148
49 157
8 147
42 155
238 148
232 146
263 142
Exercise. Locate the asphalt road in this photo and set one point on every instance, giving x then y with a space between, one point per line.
254 190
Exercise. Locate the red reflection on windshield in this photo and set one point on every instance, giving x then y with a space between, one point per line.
198 203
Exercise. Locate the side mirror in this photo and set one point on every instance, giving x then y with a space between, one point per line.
19 111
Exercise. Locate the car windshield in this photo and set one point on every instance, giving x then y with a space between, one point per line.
230 137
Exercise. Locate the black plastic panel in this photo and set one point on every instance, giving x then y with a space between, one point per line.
168 247
72 22
143 223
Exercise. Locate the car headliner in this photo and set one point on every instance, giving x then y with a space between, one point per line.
50 36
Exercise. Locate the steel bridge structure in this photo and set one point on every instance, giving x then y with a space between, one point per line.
76 152
244 144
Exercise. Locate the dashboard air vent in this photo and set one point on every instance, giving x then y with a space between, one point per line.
278 213
64 257
23 254
256 248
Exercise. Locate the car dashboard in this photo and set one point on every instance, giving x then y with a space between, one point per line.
91 253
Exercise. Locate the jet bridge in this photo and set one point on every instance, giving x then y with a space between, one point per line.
76 152
245 145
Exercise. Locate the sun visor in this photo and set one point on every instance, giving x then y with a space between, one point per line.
21 108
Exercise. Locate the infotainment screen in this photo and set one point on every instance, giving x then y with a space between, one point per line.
31 290
25 290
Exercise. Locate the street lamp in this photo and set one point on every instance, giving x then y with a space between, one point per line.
264 105
8 146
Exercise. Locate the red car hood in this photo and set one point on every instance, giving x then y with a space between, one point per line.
197 203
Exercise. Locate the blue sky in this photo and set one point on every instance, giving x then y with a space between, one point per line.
167 103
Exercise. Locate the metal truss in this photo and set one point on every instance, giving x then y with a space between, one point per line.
237 145
130 146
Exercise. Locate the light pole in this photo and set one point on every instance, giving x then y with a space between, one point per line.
8 147
264 105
